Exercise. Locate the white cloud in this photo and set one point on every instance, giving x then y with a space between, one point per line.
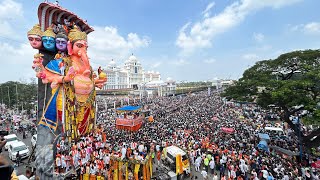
206 12
11 12
250 56
180 62
106 43
156 64
309 28
17 62
209 61
259 37
201 33
312 28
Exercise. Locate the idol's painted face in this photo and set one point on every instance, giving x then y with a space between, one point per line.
35 41
49 43
61 44
80 47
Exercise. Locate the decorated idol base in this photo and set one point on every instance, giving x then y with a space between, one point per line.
66 82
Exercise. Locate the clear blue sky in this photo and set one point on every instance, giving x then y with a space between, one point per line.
185 40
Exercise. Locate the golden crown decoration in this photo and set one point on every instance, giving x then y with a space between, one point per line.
36 30
49 32
75 34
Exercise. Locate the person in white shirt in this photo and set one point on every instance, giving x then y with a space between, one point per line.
197 163
204 173
106 160
140 148
123 152
215 176
92 169
212 165
63 162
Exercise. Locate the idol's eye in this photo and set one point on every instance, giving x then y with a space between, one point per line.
38 39
51 41
63 42
45 40
30 38
79 45
57 41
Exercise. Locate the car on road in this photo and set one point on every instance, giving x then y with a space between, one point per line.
18 146
34 140
11 138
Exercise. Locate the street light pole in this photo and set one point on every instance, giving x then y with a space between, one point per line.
300 145
8 96
17 97
1 96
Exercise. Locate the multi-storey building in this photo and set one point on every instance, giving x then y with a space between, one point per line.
130 76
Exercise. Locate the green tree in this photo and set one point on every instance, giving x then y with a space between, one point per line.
19 96
290 82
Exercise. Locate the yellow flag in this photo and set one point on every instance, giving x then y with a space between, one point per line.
136 171
127 172
115 172
120 170
179 169
150 164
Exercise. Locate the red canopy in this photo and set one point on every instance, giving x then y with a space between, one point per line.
227 130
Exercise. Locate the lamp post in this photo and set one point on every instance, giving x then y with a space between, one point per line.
1 96
17 97
299 136
8 96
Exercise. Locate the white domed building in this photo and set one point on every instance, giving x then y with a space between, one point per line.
130 76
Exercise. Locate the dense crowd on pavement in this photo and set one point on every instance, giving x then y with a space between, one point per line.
193 123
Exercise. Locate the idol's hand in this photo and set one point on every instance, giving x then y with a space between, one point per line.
100 81
99 85
70 75
37 65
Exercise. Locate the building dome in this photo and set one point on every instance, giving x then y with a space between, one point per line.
112 63
132 58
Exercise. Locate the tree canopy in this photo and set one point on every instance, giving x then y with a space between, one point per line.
290 82
19 95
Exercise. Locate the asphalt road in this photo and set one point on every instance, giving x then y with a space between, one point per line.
22 167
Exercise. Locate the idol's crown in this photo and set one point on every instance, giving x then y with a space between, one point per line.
49 32
75 34
36 30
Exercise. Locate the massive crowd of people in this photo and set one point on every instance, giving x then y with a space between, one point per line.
194 123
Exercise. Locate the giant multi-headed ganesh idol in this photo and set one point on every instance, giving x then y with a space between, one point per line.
72 81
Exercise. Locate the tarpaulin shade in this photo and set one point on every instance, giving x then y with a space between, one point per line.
263 145
264 136
129 108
